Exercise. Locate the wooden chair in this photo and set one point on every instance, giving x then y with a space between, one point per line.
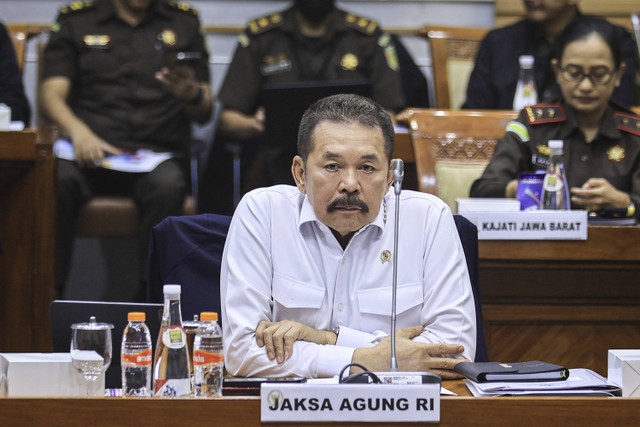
20 35
453 53
452 148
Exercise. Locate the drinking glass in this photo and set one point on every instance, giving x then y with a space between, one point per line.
91 349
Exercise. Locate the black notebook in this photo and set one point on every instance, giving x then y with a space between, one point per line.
534 370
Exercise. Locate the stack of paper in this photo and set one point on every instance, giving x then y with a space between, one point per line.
581 382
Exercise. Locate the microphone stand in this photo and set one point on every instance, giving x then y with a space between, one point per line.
398 176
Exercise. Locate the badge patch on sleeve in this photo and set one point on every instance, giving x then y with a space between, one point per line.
519 129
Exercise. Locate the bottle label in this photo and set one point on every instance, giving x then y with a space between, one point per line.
201 357
140 359
173 387
174 337
552 182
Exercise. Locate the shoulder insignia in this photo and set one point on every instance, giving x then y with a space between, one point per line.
76 6
545 113
265 23
361 24
628 122
384 41
183 6
519 129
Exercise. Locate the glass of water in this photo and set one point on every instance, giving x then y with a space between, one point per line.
91 349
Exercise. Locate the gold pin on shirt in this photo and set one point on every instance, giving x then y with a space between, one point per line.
385 255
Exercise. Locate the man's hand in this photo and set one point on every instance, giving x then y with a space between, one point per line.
598 193
89 148
411 355
180 81
278 337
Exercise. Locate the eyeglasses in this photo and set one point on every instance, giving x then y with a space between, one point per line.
598 76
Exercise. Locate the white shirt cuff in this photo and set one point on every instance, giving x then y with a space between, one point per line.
332 358
349 337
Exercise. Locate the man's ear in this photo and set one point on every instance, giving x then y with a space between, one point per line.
297 170
389 177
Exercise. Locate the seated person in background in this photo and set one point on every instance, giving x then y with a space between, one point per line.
493 82
11 88
601 139
307 272
112 84
311 41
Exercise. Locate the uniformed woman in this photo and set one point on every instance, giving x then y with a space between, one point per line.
601 139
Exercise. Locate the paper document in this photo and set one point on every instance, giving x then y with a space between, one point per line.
140 161
580 382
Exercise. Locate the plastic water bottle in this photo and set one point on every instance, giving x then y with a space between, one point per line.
526 93
171 364
136 357
555 189
208 360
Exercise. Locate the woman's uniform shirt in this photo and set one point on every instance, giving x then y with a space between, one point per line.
614 154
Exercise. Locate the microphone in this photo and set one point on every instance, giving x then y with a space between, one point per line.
393 376
398 175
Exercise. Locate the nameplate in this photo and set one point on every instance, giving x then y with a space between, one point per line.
350 402
530 225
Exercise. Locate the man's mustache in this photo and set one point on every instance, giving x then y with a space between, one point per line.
348 200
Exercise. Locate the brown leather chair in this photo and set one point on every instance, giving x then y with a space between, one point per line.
20 35
453 53
452 147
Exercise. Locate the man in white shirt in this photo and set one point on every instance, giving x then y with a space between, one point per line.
307 272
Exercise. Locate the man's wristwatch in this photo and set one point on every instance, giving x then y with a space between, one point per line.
336 331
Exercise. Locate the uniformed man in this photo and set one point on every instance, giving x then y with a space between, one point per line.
493 82
113 84
311 41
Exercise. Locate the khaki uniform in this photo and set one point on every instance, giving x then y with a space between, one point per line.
272 50
111 66
614 154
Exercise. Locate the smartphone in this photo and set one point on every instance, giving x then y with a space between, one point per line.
251 385
188 59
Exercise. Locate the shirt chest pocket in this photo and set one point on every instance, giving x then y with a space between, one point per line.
376 303
296 300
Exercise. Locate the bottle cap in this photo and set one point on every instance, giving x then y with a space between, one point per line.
136 316
172 289
555 143
209 316
526 61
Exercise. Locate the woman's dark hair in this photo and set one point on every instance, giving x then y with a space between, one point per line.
582 27
344 108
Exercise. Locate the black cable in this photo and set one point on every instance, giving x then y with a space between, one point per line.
359 377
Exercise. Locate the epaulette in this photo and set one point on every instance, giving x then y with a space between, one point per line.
361 24
628 122
265 23
183 6
76 6
545 113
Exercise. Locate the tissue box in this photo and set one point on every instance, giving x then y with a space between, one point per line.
5 117
624 371
43 374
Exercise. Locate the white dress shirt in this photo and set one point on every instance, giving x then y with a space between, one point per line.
281 263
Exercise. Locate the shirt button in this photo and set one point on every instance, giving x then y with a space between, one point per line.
584 157
343 260
340 307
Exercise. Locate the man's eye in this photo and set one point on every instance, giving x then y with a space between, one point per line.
331 167
368 168
576 74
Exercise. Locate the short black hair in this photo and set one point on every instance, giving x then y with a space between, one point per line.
582 27
345 108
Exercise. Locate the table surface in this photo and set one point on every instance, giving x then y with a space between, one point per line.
245 411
